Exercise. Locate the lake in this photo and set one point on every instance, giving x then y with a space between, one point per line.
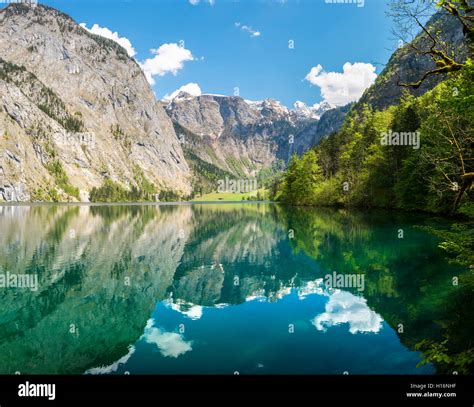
241 288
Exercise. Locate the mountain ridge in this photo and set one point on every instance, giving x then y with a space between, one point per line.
104 90
406 65
243 137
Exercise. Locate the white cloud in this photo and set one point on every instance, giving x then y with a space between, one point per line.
190 310
346 308
310 288
192 88
342 88
114 366
170 344
105 32
246 28
194 312
196 2
169 58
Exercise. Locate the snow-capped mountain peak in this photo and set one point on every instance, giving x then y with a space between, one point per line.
314 112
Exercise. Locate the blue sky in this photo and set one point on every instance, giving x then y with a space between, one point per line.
226 55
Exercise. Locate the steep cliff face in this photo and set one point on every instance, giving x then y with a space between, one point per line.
75 110
331 121
242 137
408 66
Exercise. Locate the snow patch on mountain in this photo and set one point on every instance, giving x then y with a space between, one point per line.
314 112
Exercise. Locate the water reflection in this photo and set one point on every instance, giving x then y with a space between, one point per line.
345 308
217 288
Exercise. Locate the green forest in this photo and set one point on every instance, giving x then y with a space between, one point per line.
413 155
428 168
416 152
354 168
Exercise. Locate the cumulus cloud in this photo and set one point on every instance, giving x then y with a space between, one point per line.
246 28
346 308
192 88
114 36
169 58
342 88
170 344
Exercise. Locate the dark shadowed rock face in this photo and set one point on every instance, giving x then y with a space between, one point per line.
59 81
331 122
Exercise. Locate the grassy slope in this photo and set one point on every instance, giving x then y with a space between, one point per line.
226 196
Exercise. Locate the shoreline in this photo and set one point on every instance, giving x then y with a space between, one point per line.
457 217
19 204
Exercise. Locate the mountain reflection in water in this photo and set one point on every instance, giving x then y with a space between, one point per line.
224 288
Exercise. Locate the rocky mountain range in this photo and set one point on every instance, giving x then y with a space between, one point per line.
242 137
76 112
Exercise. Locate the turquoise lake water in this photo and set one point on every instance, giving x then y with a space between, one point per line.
219 289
